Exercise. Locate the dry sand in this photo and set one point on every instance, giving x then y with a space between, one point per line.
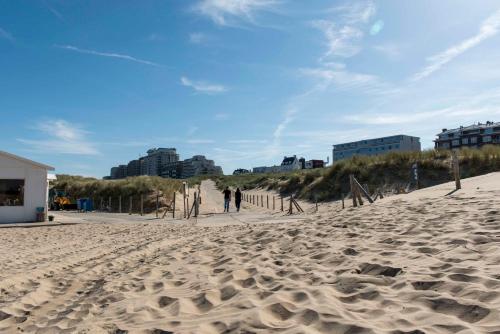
417 263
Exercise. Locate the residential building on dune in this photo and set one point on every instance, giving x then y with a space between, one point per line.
165 162
240 171
376 146
156 159
473 136
290 164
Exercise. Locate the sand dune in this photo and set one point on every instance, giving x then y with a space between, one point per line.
417 263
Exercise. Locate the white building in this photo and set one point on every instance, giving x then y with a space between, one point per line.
23 188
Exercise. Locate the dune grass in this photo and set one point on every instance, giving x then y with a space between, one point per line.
384 172
81 187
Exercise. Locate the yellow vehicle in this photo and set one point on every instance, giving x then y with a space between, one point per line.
59 200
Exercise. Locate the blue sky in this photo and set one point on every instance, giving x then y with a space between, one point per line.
86 85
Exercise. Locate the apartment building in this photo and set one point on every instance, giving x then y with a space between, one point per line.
290 164
156 159
474 136
376 146
165 162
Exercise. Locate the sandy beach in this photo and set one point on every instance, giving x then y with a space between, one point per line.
425 262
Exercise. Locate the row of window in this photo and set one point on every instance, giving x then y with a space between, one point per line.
367 150
468 132
471 140
371 141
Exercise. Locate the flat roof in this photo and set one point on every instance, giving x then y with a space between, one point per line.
28 161
373 139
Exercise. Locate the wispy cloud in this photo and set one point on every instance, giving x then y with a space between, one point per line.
471 107
289 117
6 35
342 79
63 138
155 37
344 33
198 38
200 141
488 29
221 117
390 50
107 54
247 141
202 86
355 12
192 130
230 12
53 10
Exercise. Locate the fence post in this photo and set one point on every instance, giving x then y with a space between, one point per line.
195 204
343 197
267 201
157 202
281 203
316 200
120 204
109 204
353 191
291 207
257 200
173 211
262 200
142 204
102 203
130 205
274 203
456 170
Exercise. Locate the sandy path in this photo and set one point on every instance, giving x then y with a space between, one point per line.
421 263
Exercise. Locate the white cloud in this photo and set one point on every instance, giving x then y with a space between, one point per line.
488 29
227 12
344 33
106 54
62 138
356 12
6 35
203 87
340 41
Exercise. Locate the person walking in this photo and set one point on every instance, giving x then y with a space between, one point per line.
227 199
237 199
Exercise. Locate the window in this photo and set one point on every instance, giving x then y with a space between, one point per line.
486 139
473 140
11 192
465 141
455 142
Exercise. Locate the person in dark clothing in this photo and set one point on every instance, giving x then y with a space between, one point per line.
237 199
227 199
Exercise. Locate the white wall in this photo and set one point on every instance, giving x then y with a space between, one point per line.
35 190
